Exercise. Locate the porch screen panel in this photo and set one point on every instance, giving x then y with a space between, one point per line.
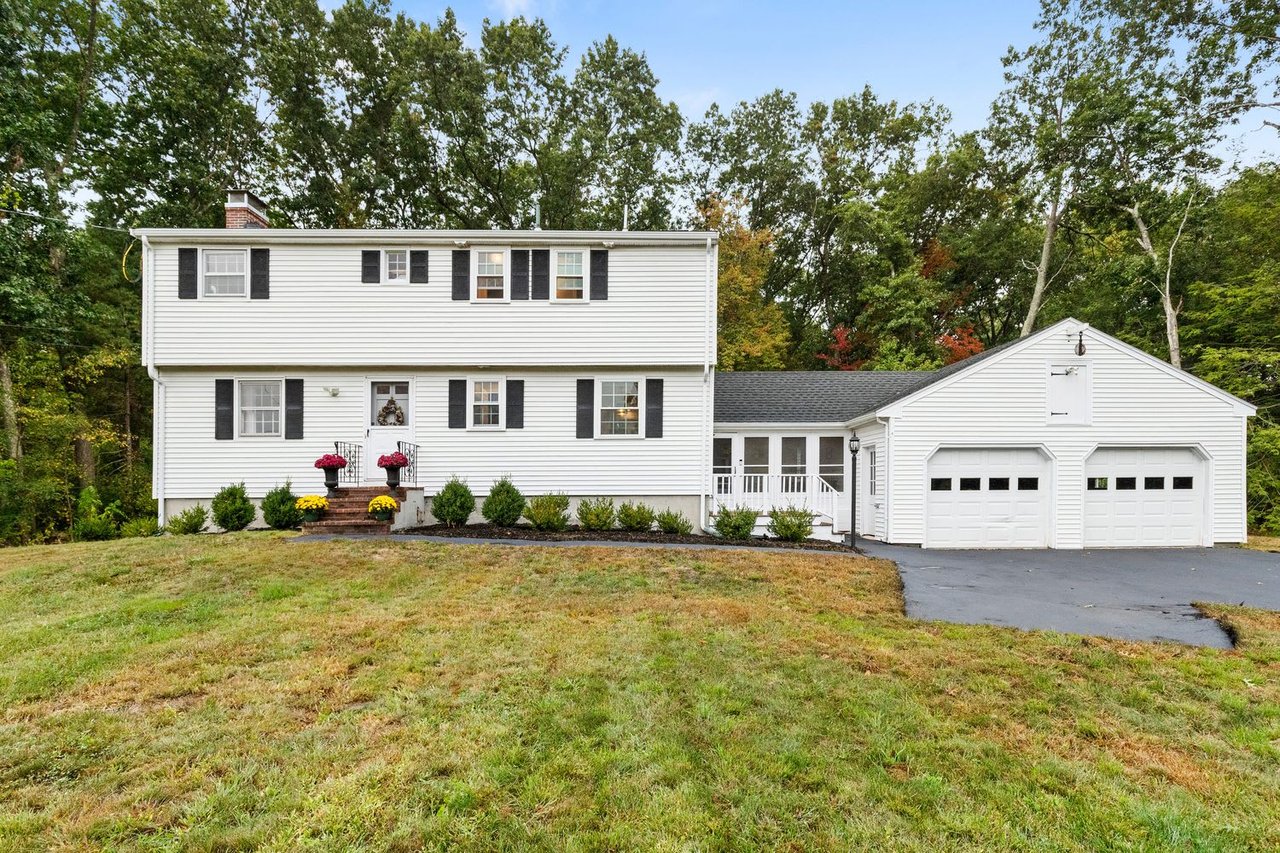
831 461
722 464
755 463
794 465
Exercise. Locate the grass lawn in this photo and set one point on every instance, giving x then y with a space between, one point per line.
1264 543
249 691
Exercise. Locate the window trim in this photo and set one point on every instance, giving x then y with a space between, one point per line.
640 410
506 275
872 469
501 425
586 275
384 266
200 290
239 408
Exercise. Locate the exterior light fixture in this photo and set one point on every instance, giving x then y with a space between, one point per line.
855 444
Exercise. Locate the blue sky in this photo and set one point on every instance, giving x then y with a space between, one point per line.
730 50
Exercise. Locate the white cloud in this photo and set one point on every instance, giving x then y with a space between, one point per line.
508 9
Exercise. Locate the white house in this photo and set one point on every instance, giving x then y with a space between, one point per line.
1068 438
582 362
577 362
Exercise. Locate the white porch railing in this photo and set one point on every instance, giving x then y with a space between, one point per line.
763 492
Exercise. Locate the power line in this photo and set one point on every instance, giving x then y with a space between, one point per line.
61 222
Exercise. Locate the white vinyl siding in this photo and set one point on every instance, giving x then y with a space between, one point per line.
319 314
225 272
1003 403
543 457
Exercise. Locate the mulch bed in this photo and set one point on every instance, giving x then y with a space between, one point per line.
575 534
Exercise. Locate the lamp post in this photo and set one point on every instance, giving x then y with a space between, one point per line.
855 444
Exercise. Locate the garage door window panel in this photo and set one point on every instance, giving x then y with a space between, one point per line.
940 484
1181 483
998 484
1097 484
1153 484
970 484
1126 484
1028 484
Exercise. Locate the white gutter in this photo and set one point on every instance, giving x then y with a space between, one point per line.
426 238
709 331
157 384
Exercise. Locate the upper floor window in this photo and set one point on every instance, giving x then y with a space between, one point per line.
226 272
619 407
571 275
261 407
397 265
486 403
491 274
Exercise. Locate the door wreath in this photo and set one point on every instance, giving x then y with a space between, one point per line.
391 414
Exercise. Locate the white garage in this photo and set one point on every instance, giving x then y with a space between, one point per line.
987 497
1144 496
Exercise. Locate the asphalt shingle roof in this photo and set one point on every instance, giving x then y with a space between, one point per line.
821 396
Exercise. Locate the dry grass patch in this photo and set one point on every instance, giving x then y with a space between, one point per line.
1264 543
252 691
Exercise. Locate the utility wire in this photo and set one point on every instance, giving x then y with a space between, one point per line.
60 221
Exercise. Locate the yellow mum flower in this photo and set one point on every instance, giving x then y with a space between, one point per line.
312 503
383 503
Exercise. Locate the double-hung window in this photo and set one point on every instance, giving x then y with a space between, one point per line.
619 407
490 275
571 275
261 407
486 404
226 272
395 266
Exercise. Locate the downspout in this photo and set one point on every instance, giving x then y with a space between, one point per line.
157 384
708 349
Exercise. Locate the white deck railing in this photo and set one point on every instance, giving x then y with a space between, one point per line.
763 492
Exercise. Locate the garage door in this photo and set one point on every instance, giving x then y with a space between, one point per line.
1143 496
987 498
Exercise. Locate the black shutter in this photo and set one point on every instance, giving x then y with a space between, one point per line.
259 273
541 274
461 275
224 409
187 260
371 266
519 273
586 408
293 408
515 403
418 266
599 274
457 404
653 408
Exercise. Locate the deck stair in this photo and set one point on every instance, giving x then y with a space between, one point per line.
349 512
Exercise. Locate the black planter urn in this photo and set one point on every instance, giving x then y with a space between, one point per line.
393 478
331 480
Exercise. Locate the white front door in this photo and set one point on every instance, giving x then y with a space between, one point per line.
390 422
1143 496
987 498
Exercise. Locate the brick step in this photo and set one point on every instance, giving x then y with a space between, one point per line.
327 525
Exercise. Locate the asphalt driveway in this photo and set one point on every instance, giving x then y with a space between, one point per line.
1135 594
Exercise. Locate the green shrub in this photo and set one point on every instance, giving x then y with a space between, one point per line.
548 512
791 524
735 523
596 513
93 522
191 520
636 518
232 509
455 503
279 508
504 504
139 527
674 523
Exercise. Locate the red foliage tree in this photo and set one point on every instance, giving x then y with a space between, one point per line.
959 344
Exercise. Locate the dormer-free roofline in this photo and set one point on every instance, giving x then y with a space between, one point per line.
426 237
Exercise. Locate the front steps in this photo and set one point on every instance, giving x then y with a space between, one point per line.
349 512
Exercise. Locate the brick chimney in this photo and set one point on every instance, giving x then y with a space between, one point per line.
245 210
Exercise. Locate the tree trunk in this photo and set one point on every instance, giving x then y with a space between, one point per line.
86 462
1042 269
10 409
1166 285
128 418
